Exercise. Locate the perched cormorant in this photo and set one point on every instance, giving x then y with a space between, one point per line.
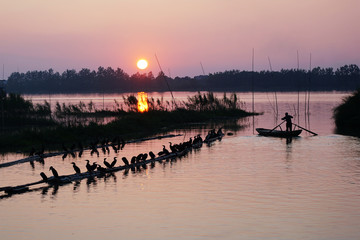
172 147
101 169
139 157
43 176
113 162
144 157
125 161
76 168
108 165
152 155
88 166
54 172
165 150
133 160
94 166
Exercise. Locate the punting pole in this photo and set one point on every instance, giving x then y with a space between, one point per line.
305 129
277 126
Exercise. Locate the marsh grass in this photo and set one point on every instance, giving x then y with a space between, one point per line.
347 115
66 126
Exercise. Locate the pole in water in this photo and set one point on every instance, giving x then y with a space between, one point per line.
202 68
162 72
276 103
305 129
298 100
252 89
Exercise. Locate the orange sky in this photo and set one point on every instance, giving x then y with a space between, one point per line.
68 34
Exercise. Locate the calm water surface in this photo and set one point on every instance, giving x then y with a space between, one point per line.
243 187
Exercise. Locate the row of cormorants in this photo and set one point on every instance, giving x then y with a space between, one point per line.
142 157
116 144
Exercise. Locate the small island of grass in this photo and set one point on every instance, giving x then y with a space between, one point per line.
347 115
26 125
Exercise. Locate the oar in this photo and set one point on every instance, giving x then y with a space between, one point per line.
305 129
276 126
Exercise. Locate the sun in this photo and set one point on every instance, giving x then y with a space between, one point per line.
142 64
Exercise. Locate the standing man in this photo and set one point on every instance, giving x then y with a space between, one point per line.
288 118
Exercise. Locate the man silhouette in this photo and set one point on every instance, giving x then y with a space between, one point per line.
288 118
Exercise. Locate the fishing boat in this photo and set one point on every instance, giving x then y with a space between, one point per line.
278 133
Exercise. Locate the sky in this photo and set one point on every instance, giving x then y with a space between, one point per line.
220 35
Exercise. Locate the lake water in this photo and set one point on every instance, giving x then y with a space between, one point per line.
243 187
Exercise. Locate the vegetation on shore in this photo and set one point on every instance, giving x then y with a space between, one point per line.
347 115
108 79
70 124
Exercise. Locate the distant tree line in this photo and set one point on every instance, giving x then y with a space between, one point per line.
109 80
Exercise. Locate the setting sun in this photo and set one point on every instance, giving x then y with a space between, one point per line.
142 64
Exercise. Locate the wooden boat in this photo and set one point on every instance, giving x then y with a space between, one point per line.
278 133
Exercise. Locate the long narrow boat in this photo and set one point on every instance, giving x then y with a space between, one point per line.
277 133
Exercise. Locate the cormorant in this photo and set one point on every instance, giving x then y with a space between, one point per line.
125 161
172 147
76 168
133 159
44 177
54 172
139 157
165 151
152 155
88 166
94 166
113 162
144 157
101 169
108 165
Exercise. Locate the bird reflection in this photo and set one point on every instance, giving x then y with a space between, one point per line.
76 185
55 190
44 191
32 164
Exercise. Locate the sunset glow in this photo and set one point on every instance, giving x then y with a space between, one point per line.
142 102
39 35
142 64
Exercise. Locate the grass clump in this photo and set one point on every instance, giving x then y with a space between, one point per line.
347 115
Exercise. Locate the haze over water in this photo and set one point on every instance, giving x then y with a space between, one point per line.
243 187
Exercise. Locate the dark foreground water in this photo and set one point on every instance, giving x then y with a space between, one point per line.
244 187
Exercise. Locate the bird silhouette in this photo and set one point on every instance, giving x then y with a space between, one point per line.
125 161
113 162
107 164
88 166
76 168
54 172
152 155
